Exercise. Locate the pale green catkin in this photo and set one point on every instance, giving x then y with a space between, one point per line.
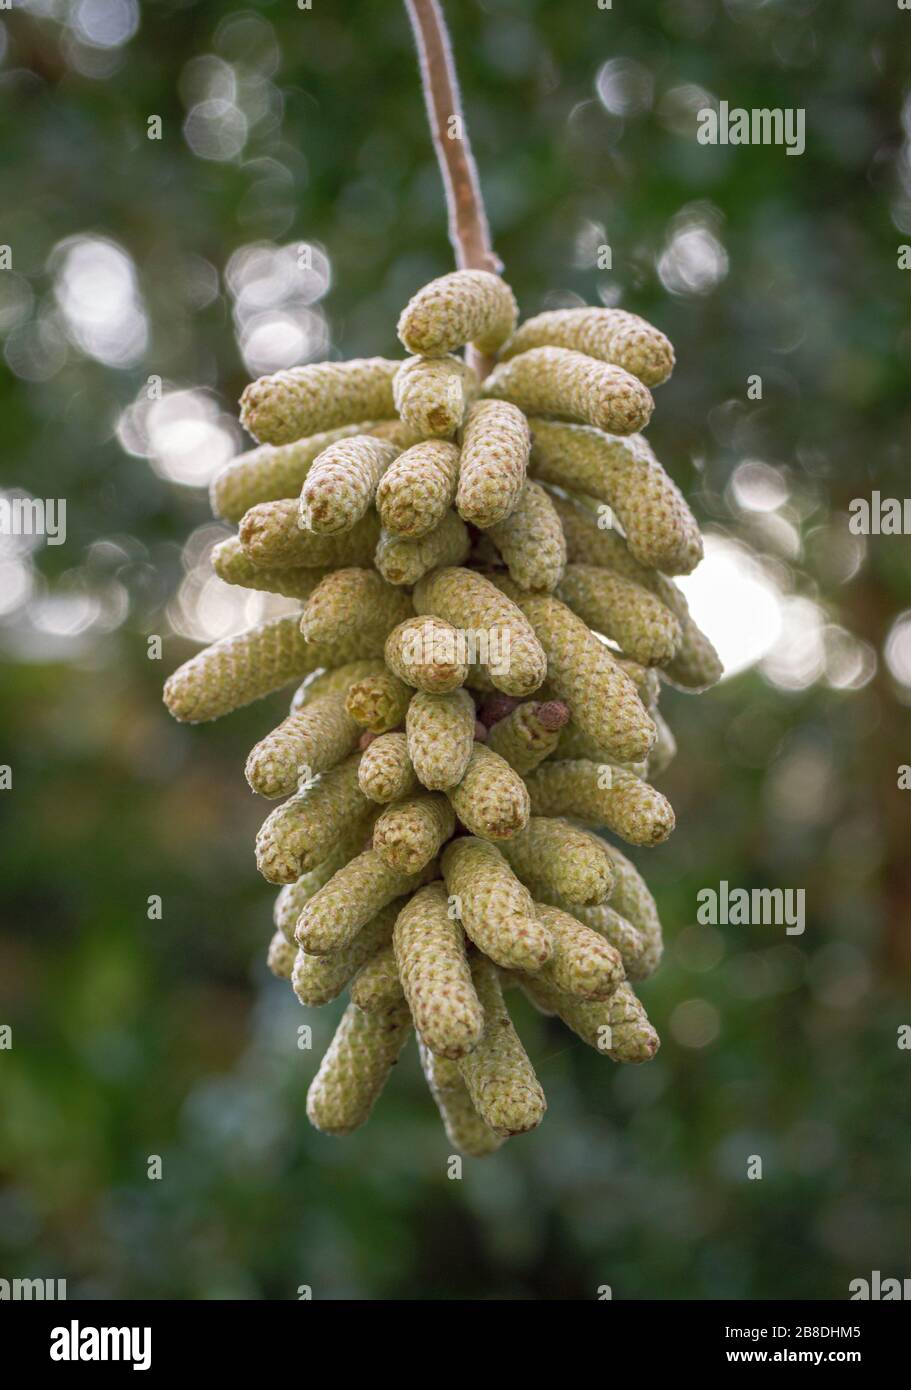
237 670
377 985
280 957
528 734
495 909
624 474
289 902
531 542
571 862
583 964
401 560
612 335
632 899
427 654
378 701
271 472
303 745
231 563
570 386
338 680
410 832
602 795
617 1027
465 1129
342 483
319 979
490 800
466 306
356 1067
631 615
440 733
514 657
321 396
273 538
501 1080
433 967
665 749
301 832
356 893
634 950
418 489
358 603
432 394
574 743
493 462
385 773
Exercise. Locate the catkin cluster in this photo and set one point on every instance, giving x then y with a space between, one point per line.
478 661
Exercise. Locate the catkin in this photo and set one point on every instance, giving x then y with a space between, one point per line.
357 602
583 964
356 893
665 750
466 306
378 701
528 734
617 1027
633 901
570 386
280 957
490 800
465 1129
273 538
418 489
342 483
427 654
500 1079
513 658
385 772
301 832
401 560
493 462
602 795
321 396
236 671
433 967
319 979
376 985
637 621
232 564
409 834
612 335
531 541
304 744
356 1067
495 909
440 733
567 859
289 902
432 394
338 680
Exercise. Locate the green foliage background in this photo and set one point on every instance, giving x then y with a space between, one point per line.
134 1037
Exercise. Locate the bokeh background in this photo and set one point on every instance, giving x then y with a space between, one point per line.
150 279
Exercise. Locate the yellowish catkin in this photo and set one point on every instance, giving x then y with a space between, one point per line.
357 602
570 386
338 680
280 957
356 1067
321 396
356 893
273 538
569 860
493 462
465 1129
633 617
528 734
385 773
231 563
500 1078
236 671
432 394
376 985
433 968
409 833
504 640
495 909
583 964
427 654
531 542
490 800
269 472
580 670
611 335
401 560
342 483
301 832
576 744
378 701
633 900
617 1027
440 733
635 951
602 795
289 902
466 306
303 745
318 979
624 474
418 489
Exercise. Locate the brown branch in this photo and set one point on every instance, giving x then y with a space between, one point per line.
469 232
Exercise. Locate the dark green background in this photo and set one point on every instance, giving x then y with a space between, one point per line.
135 1037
